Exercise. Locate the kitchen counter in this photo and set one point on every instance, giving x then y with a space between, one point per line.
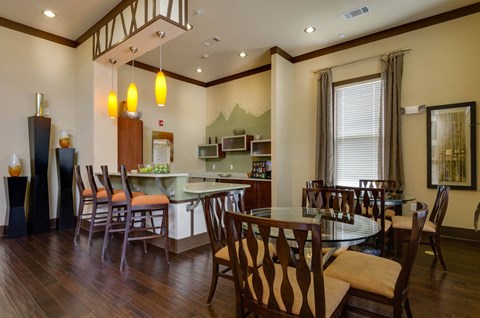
216 175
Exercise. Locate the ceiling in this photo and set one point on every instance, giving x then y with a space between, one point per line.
251 26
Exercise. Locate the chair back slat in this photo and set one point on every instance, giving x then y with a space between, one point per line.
440 207
318 183
126 185
276 286
388 185
91 180
106 182
78 179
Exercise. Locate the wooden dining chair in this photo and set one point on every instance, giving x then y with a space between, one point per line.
379 279
139 224
85 198
324 198
370 202
390 187
401 225
274 287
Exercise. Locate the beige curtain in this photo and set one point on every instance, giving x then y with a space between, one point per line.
392 71
325 156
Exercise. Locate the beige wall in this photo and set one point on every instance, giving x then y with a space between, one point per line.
441 68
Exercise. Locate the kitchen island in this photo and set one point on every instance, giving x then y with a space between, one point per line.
187 227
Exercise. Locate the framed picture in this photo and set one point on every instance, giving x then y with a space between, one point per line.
451 149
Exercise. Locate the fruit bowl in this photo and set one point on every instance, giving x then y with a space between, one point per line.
145 168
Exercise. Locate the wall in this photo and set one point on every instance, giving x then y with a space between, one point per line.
441 68
183 114
29 65
240 104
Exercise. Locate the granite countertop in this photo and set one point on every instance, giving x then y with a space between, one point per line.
224 176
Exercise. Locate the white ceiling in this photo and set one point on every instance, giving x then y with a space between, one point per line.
253 26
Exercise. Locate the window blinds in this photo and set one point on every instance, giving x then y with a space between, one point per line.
357 132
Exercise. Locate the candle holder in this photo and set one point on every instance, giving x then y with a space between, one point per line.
64 140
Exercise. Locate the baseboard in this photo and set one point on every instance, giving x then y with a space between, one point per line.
460 233
182 245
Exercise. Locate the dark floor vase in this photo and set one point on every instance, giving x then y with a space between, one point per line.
65 160
15 188
39 207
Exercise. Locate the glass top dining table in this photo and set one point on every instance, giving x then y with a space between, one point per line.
338 229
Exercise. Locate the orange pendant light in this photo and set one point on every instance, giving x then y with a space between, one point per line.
112 97
160 82
132 93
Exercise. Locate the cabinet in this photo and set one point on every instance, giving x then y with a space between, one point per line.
210 151
236 143
259 195
261 148
130 142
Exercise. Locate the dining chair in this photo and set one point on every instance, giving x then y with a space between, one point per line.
317 183
379 279
401 225
274 287
139 214
390 186
323 198
371 203
116 212
85 198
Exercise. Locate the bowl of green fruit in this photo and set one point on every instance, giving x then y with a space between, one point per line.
145 168
161 168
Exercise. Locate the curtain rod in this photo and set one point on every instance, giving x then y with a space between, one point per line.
361 60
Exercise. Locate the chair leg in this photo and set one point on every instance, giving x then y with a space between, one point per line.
408 310
125 238
79 220
439 252
107 230
213 284
165 233
92 223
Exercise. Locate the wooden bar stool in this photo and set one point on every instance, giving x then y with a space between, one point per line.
117 208
139 214
85 198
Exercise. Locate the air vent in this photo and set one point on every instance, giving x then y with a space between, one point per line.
211 41
356 12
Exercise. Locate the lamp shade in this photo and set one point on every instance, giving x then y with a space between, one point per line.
161 89
112 105
132 98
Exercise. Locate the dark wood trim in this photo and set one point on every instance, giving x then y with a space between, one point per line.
408 27
282 53
182 245
176 76
109 16
460 233
38 33
357 79
233 77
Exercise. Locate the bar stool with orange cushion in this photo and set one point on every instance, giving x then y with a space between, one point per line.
85 197
117 204
140 210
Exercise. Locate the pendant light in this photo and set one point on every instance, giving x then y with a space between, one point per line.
132 94
112 97
160 82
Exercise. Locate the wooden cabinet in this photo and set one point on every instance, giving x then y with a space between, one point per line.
130 142
236 143
210 151
259 195
261 148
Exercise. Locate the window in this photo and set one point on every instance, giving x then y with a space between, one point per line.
358 134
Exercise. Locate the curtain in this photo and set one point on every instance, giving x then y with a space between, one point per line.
325 156
392 71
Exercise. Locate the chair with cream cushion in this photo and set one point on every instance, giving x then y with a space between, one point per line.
215 207
288 285
401 225
317 183
390 186
379 279
139 223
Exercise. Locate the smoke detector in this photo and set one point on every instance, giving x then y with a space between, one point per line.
356 12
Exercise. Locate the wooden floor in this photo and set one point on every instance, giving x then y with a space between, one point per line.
48 276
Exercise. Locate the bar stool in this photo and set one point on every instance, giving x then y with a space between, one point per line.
85 197
139 212
117 208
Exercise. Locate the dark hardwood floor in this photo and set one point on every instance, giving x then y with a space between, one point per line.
46 275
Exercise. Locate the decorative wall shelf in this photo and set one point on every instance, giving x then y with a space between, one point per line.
236 143
261 148
210 151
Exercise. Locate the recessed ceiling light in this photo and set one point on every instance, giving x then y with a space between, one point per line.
199 70
205 56
309 29
342 35
49 13
189 26
242 54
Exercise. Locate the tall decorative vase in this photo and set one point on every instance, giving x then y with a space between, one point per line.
64 139
39 104
14 167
